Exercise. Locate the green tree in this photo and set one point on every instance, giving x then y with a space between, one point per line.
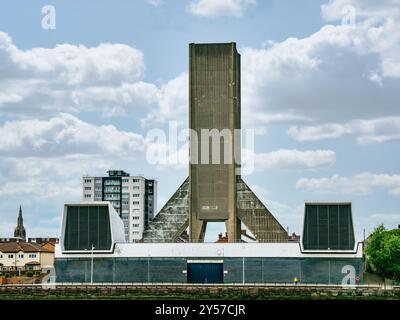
383 252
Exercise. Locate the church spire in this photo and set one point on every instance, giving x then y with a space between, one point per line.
19 231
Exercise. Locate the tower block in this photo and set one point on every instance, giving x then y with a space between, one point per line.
214 191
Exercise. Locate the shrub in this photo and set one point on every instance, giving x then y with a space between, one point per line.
383 252
29 274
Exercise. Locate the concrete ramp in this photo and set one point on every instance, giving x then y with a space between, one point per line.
173 219
257 218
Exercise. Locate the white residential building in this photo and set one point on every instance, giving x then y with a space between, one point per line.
133 197
24 256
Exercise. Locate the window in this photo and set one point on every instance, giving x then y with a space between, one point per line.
88 196
125 180
88 188
88 180
135 218
135 187
1 256
135 202
32 256
20 256
10 256
135 225
136 195
125 188
111 196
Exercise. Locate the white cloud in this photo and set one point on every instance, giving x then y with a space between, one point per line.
173 102
361 184
216 8
41 185
72 65
108 79
155 3
284 159
42 163
165 156
111 101
339 73
295 159
63 135
325 131
40 188
335 9
395 191
367 131
388 217
45 159
16 170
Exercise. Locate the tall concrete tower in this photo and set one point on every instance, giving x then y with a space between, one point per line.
214 190
214 104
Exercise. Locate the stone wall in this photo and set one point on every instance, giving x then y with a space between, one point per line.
199 292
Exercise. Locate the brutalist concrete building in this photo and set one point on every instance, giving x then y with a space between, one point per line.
92 238
92 247
214 190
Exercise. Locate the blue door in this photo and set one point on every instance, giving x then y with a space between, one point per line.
205 273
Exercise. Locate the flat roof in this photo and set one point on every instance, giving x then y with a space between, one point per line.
213 250
327 202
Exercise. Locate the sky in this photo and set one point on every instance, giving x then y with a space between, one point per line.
82 83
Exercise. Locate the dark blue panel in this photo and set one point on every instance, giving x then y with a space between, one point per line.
328 227
257 270
205 273
87 226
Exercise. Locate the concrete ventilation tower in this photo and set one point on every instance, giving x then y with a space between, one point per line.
19 231
214 192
